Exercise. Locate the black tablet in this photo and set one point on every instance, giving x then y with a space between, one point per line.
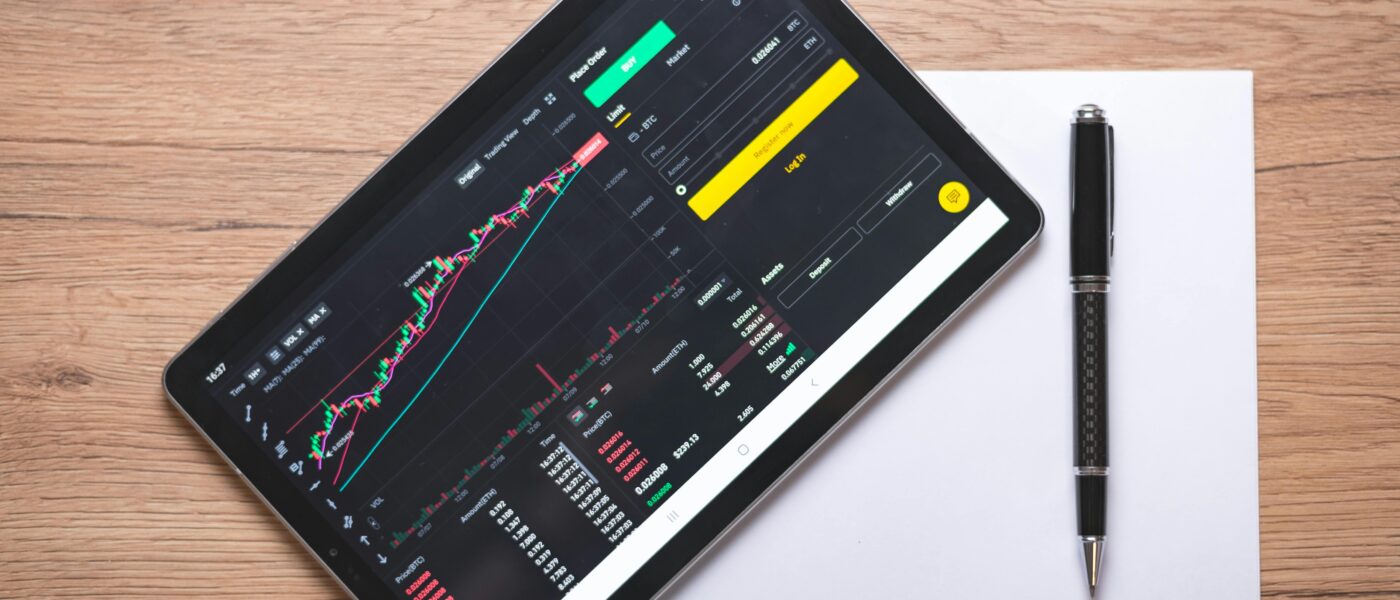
603 300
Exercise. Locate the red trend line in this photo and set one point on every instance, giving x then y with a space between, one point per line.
423 333
466 327
371 353
447 273
346 450
352 371
415 328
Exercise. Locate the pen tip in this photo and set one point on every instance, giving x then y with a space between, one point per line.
1093 558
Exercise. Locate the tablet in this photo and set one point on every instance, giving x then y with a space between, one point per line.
602 301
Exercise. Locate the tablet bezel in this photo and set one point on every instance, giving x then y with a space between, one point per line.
476 108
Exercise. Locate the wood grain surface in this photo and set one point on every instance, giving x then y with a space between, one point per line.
156 156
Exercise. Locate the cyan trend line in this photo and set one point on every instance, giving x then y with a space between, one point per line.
470 322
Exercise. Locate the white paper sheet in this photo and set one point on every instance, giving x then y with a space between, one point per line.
955 481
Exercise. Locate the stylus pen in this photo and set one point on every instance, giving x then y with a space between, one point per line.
1091 248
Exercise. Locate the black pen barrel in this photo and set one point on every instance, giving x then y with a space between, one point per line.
1092 491
1091 198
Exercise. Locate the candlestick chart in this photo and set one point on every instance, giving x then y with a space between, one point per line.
430 297
342 410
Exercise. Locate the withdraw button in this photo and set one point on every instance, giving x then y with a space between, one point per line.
773 139
824 263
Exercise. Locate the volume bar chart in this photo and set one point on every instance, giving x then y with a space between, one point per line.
531 413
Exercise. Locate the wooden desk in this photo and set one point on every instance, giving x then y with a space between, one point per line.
155 156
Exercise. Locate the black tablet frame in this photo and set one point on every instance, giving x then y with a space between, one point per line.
465 118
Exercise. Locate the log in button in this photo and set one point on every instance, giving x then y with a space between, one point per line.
819 267
904 187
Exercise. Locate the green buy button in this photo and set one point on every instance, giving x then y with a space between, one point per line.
631 62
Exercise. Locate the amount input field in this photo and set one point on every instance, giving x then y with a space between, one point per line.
725 90
736 117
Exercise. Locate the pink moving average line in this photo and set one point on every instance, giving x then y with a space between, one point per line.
415 333
414 329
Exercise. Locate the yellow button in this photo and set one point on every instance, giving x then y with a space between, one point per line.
769 142
953 197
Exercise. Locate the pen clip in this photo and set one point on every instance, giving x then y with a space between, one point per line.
1112 197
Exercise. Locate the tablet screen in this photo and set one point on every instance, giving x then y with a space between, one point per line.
529 376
